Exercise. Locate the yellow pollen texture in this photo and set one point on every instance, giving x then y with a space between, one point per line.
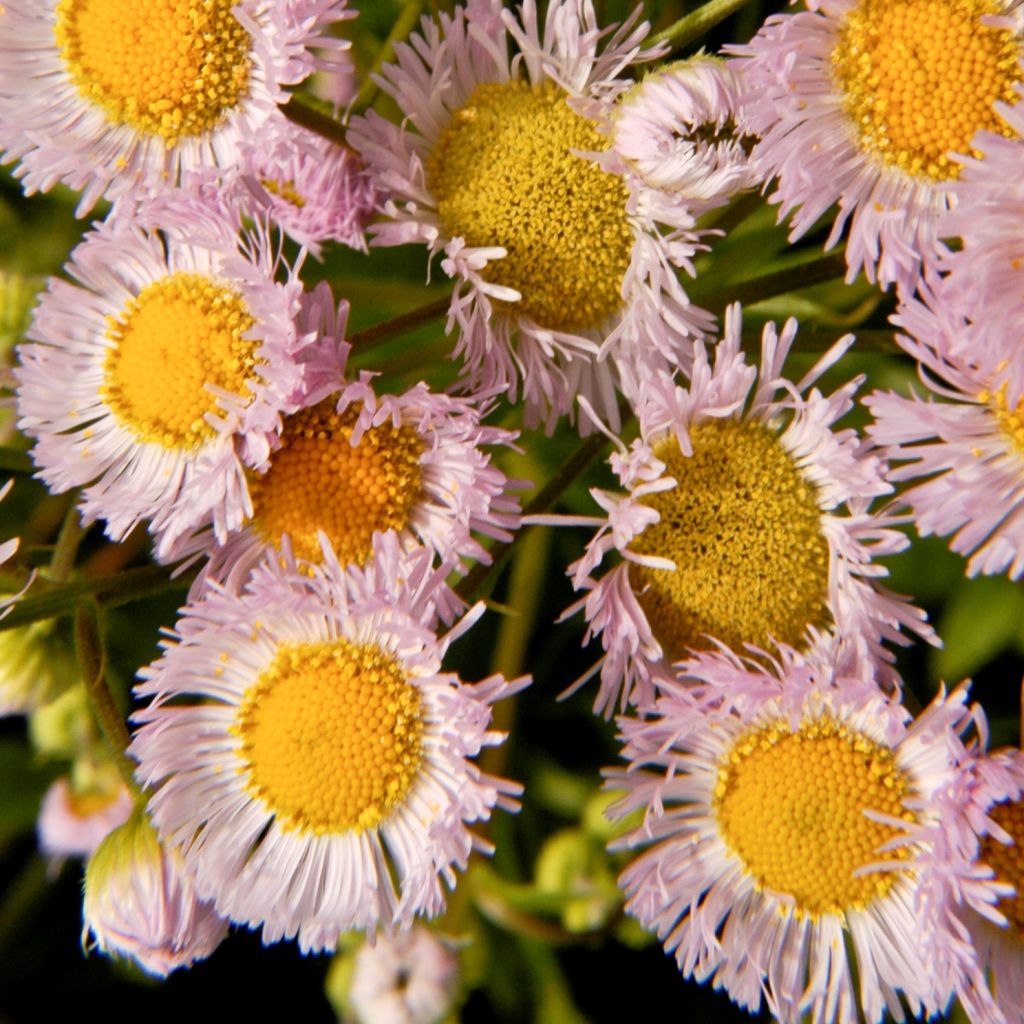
744 530
285 190
502 174
319 481
331 736
919 78
1010 420
790 805
1008 861
179 335
172 68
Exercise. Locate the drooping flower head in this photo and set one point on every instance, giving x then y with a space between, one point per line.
748 522
161 373
782 807
864 103
309 757
139 903
565 260
74 821
124 99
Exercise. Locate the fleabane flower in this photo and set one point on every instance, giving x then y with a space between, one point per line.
747 521
565 260
159 374
75 819
782 808
863 103
310 758
119 98
677 130
960 449
138 902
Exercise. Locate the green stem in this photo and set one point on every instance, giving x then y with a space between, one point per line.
792 279
695 24
363 341
299 110
13 461
120 588
92 661
404 24
66 550
480 575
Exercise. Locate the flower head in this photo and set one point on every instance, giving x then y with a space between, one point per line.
865 103
74 823
308 756
565 259
126 99
783 807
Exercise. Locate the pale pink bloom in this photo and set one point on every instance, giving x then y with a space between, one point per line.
434 80
189 255
314 853
409 978
73 825
677 129
776 931
139 903
62 130
837 470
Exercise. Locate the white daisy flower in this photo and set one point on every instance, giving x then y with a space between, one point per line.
565 260
782 809
309 757
124 99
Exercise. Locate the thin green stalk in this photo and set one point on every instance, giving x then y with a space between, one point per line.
404 24
825 268
697 23
92 662
68 540
363 341
299 110
120 588
14 461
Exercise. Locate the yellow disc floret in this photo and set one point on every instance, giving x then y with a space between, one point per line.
331 736
744 529
919 78
503 173
319 480
1010 418
1007 861
180 336
172 68
790 805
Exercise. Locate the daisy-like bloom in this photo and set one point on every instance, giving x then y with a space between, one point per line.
73 822
121 98
139 903
160 374
314 190
409 978
747 521
310 759
781 805
356 464
973 880
862 102
677 129
565 259
965 452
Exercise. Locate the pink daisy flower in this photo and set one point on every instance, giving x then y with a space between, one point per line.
73 824
782 805
863 103
747 521
124 99
964 453
178 287
309 757
565 260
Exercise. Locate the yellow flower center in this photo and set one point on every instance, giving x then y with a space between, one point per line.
173 68
790 805
285 190
1010 420
919 78
1008 861
319 480
502 174
744 529
175 340
331 736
